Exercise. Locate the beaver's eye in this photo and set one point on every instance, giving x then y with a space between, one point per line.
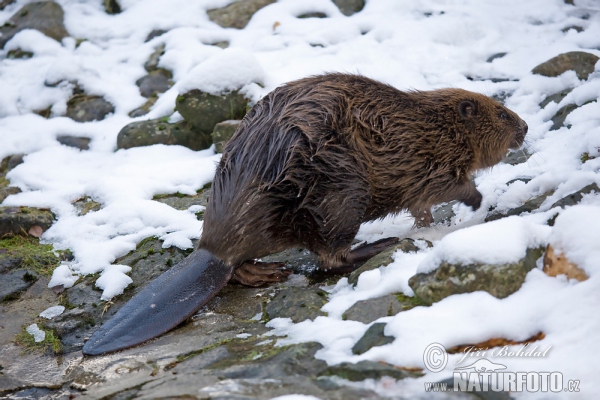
503 115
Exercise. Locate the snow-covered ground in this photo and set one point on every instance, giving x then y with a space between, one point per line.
391 41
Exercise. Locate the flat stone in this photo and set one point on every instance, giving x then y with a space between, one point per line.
205 110
237 14
558 120
223 132
529 206
81 143
581 62
157 81
367 311
85 108
499 280
157 131
374 336
556 97
369 370
46 17
495 57
299 304
575 198
7 191
153 60
14 282
144 109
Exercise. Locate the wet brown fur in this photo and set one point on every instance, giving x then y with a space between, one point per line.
319 156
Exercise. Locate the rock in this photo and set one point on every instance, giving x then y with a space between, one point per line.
299 304
382 259
183 202
222 44
7 191
85 205
558 264
81 143
204 110
155 33
112 6
237 14
144 109
558 119
157 131
374 336
498 280
18 54
443 213
14 282
485 394
367 311
85 108
349 7
517 157
153 60
576 28
5 3
14 160
501 95
223 132
69 321
19 220
312 15
581 62
157 81
46 17
529 206
495 56
369 370
575 198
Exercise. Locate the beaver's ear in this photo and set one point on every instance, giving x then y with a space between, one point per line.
467 109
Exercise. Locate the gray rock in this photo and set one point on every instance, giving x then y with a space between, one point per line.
556 97
144 109
85 108
223 132
19 54
443 213
581 62
86 204
498 280
153 60
501 95
367 311
14 282
222 44
517 157
157 131
575 198
157 81
7 191
374 336
14 160
576 28
112 6
299 304
485 394
312 15
349 7
69 321
495 56
204 110
5 3
237 14
558 120
369 370
155 33
81 143
20 220
529 206
382 259
46 17
182 202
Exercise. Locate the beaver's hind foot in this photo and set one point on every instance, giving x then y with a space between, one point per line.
255 273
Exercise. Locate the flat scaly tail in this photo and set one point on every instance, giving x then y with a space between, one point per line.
167 301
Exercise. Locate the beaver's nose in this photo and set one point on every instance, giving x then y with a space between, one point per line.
525 127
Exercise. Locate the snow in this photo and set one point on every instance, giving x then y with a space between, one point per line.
35 331
52 312
411 45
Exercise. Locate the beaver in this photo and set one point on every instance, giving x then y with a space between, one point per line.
309 163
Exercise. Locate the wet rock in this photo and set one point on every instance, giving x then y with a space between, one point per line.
558 264
495 56
384 258
242 303
369 370
237 14
529 206
223 132
155 33
558 120
581 62
20 220
349 7
112 6
85 205
157 81
374 336
46 17
158 131
19 54
69 321
367 311
498 280
81 143
517 157
299 304
153 60
205 110
144 109
14 282
85 108
312 15
575 198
